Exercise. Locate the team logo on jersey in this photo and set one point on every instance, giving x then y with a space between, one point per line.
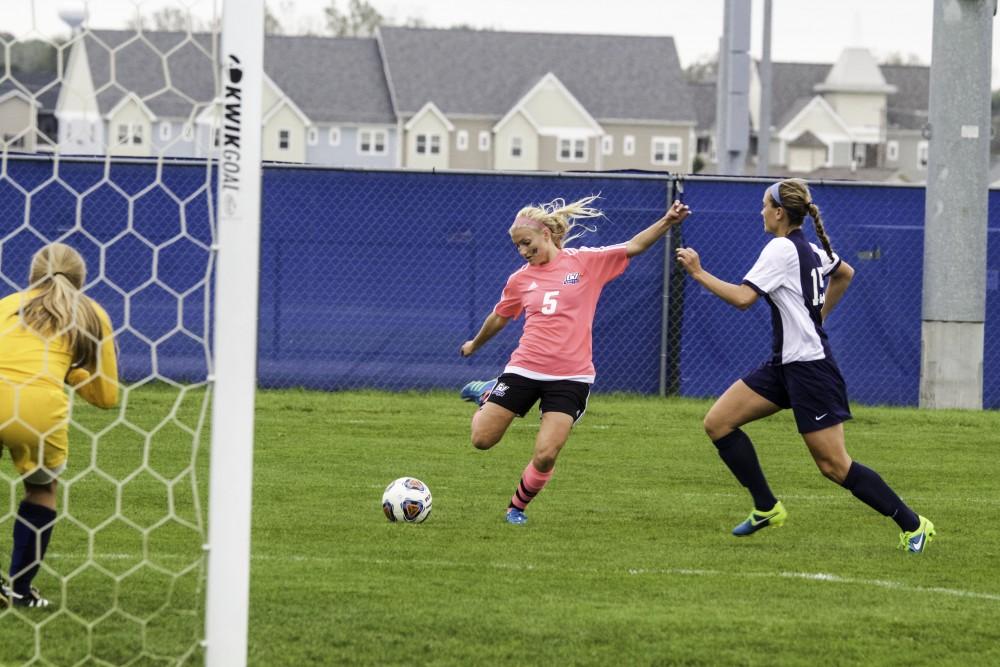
533 285
500 389
571 279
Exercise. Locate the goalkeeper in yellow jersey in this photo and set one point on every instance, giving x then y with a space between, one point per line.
51 335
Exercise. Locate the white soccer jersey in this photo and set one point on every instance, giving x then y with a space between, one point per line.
791 275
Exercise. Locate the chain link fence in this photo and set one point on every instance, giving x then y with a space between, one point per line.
374 279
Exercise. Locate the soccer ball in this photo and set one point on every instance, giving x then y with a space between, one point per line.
406 499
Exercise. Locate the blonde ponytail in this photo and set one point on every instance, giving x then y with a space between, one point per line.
561 218
60 308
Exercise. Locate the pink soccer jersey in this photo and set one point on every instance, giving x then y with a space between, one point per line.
558 300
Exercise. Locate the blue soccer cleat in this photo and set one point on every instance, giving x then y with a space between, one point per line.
516 516
478 391
915 541
773 517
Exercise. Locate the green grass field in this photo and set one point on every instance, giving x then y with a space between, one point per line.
626 560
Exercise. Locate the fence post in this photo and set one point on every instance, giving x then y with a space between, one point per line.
673 302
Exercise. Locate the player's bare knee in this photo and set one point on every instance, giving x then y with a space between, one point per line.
714 428
483 441
831 470
544 462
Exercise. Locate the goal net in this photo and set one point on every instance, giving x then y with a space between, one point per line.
110 142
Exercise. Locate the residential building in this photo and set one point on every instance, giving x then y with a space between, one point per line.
27 122
471 99
531 101
854 118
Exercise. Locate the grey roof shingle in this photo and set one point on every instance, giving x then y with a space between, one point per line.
807 140
42 86
703 100
907 108
486 72
172 72
790 83
329 79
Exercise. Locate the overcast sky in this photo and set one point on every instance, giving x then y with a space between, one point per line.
803 30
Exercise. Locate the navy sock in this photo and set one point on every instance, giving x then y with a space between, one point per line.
32 531
738 454
868 487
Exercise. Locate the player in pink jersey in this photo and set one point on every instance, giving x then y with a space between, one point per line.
557 290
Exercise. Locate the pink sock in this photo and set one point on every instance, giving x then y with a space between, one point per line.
532 481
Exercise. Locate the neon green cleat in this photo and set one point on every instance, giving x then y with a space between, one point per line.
914 542
773 517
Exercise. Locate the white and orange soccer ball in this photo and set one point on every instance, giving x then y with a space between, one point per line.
407 500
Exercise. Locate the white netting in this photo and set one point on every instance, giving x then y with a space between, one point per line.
104 135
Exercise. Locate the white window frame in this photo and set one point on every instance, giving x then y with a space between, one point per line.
312 136
923 154
427 144
462 140
370 135
628 144
187 132
333 136
607 144
284 137
516 147
669 145
165 131
892 150
484 140
577 152
129 134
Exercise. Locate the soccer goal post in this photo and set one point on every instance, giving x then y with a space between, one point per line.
235 332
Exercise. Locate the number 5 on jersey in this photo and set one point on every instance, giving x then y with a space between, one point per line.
549 302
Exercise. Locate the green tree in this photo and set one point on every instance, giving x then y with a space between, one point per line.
703 69
33 55
272 24
361 19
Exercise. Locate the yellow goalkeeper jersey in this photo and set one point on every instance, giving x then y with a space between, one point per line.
28 358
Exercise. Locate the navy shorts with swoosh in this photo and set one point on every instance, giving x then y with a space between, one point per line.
814 390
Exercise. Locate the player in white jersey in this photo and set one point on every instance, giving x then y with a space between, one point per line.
557 290
791 275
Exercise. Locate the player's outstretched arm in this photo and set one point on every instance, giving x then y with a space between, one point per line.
491 327
742 296
839 281
645 239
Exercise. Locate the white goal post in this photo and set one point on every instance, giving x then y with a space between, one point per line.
234 369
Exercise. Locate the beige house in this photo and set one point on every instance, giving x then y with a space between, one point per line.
18 120
428 136
537 101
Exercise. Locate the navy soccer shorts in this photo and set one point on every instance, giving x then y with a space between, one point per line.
814 390
518 393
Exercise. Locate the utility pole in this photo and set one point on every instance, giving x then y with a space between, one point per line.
733 106
764 118
954 286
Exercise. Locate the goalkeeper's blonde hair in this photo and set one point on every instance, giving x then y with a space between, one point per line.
561 218
60 308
